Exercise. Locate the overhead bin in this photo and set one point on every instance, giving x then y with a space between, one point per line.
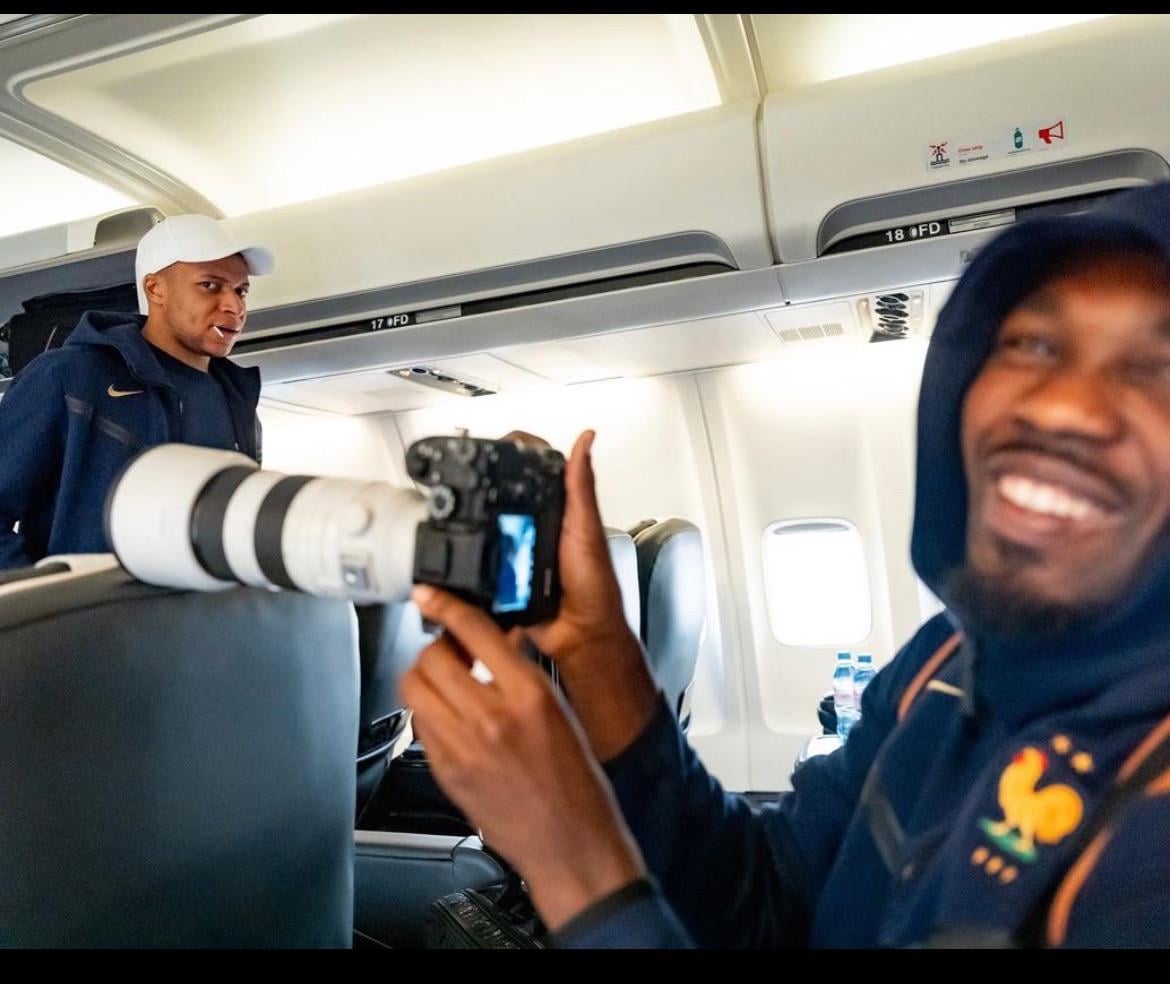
672 194
379 153
670 200
925 235
956 145
986 201
645 188
81 255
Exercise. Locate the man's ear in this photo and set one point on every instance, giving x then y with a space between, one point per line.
155 286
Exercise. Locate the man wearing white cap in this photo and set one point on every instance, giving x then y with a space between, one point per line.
74 416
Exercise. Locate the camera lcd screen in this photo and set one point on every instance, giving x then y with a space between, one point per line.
517 554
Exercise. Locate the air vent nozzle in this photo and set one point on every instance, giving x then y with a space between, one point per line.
892 314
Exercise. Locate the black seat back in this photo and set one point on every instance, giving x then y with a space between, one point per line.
390 637
177 767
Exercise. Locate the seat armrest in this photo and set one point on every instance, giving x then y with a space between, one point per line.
398 875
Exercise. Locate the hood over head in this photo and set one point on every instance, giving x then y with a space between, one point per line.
1008 268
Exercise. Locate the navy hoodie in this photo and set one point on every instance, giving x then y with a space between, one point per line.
905 836
73 417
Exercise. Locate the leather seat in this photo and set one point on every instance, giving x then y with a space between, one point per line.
673 590
624 555
177 767
390 637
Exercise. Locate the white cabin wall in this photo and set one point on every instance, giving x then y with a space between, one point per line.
314 443
651 459
827 433
891 429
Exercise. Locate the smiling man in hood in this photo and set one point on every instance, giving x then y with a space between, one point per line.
75 415
977 801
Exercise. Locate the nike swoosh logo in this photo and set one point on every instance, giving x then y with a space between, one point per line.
115 393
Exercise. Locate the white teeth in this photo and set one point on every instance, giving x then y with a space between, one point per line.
1049 500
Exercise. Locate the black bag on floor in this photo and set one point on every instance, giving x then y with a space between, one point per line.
497 917
48 320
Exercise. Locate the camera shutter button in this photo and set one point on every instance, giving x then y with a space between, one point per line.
464 449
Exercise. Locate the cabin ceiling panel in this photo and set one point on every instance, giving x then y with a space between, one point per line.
284 108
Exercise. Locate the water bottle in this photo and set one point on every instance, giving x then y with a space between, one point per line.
862 673
843 698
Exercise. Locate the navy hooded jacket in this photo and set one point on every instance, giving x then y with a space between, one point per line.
905 836
73 417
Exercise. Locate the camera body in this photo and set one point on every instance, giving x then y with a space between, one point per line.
493 524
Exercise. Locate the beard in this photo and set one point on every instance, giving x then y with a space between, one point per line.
997 605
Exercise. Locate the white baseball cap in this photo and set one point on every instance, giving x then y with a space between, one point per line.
192 239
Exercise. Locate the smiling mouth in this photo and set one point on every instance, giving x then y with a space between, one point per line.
1045 515
1047 499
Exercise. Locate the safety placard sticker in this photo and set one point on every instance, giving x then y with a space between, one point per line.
1010 141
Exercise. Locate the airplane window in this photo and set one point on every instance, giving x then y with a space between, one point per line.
816 583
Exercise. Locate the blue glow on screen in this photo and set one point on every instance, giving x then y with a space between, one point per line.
517 553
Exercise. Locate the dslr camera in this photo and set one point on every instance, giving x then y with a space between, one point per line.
493 524
488 531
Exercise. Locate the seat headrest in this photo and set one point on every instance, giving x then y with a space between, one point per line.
177 767
673 587
625 566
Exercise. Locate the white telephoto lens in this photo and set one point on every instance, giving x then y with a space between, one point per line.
350 539
149 513
239 528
